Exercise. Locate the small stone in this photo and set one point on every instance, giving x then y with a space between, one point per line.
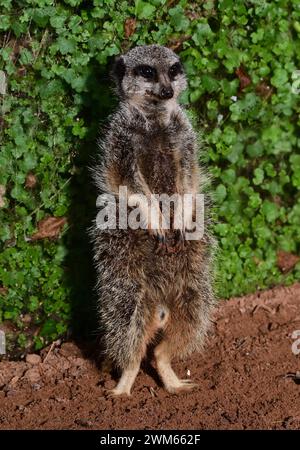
33 375
69 349
11 393
33 359
60 400
30 181
14 380
83 422
78 362
26 318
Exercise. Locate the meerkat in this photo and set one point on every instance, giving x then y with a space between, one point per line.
154 286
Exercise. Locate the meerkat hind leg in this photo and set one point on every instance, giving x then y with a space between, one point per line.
126 381
172 383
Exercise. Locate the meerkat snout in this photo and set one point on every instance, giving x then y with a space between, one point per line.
166 92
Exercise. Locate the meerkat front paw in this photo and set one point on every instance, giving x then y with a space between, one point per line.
161 248
180 242
170 243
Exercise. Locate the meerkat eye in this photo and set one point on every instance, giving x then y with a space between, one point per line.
175 70
147 72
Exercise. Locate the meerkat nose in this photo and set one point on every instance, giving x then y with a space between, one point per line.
166 92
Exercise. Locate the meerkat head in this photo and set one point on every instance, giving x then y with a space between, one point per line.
149 74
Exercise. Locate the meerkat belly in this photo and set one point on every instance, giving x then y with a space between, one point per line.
161 170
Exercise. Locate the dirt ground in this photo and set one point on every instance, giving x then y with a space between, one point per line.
249 378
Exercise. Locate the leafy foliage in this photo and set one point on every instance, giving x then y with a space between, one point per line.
241 58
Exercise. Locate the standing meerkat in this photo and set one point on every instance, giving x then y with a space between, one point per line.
153 285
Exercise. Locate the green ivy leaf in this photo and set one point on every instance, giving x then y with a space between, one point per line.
66 45
258 176
144 10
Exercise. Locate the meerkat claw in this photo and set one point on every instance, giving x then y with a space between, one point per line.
179 242
162 246
181 386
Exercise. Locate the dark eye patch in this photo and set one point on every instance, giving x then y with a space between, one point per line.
147 72
175 70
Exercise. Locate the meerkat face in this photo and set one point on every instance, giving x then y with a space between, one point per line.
151 74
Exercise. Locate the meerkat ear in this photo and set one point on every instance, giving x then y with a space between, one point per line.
119 69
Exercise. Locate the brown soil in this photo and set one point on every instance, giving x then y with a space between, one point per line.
248 378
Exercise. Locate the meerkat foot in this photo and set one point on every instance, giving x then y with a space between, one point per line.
170 380
117 392
172 383
180 386
125 383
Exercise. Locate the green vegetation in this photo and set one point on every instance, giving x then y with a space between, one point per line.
241 58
